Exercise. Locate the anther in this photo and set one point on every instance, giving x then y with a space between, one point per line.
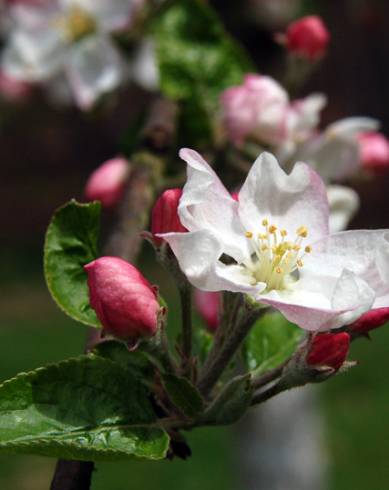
299 262
283 232
272 229
279 270
265 222
249 234
302 231
308 249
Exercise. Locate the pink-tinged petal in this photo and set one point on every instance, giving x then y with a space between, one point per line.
289 201
321 303
207 205
198 254
94 68
344 203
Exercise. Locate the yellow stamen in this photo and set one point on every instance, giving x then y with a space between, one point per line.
308 249
265 222
279 270
283 232
272 229
249 234
299 262
302 231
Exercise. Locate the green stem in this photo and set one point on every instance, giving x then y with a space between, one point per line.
186 322
218 361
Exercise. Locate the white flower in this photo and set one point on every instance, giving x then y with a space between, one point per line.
335 153
71 37
274 244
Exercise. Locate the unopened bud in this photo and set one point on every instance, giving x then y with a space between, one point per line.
374 152
107 183
164 216
329 350
124 301
370 320
208 305
307 37
12 89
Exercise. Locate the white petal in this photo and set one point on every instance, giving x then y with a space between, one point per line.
144 67
364 253
94 68
335 154
33 55
319 303
287 201
198 255
344 203
207 205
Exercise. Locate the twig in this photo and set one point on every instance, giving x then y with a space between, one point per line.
72 475
267 394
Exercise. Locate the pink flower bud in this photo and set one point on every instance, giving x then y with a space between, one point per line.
208 304
307 37
124 301
164 216
12 89
106 183
374 152
256 108
370 320
329 349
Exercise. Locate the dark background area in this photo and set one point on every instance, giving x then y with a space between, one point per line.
46 154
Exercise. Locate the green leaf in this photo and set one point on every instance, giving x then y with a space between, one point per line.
183 395
71 242
136 361
87 408
231 403
271 341
197 60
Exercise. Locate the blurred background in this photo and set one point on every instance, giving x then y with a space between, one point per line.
46 155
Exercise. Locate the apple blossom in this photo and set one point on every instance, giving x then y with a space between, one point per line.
335 153
329 349
374 152
208 305
124 301
164 216
307 37
260 109
274 244
106 183
71 37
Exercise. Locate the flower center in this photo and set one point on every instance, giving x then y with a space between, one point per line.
275 259
78 24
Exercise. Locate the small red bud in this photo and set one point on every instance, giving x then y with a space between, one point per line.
374 152
13 89
107 182
370 320
124 301
164 216
329 349
307 37
208 304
